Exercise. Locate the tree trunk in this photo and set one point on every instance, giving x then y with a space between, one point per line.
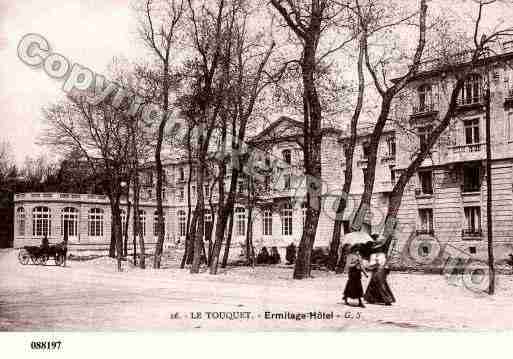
200 207
250 255
224 213
136 226
228 242
127 221
348 154
112 246
116 225
158 165
312 135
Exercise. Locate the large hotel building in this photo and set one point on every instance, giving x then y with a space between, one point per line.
446 198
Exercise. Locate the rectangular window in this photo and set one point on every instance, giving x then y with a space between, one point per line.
391 146
207 192
181 174
472 221
471 178
426 182
240 186
267 221
240 220
182 224
366 150
267 183
20 213
287 156
471 91
426 220
286 220
286 181
181 194
471 131
423 133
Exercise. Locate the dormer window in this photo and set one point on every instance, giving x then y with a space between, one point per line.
471 91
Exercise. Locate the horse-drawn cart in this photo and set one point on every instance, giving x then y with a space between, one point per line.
41 254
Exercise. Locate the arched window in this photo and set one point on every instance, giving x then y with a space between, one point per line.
267 223
286 220
182 226
20 217
142 222
471 91
41 221
69 220
425 98
240 221
95 222
156 224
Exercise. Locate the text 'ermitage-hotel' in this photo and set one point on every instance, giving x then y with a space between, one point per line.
446 198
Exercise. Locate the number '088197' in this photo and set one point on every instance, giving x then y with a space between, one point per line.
46 345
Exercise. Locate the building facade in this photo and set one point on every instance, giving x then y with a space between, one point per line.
446 199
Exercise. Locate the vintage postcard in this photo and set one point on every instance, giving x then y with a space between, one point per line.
248 165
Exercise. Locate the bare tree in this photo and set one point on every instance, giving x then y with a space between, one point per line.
101 135
159 29
370 23
308 20
349 147
246 58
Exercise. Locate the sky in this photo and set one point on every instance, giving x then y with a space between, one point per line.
88 32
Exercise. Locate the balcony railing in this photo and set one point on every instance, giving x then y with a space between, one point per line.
424 108
470 101
471 233
467 152
467 148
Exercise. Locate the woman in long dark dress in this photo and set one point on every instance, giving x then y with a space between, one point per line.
378 291
354 289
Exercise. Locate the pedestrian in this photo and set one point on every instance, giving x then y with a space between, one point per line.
378 291
354 289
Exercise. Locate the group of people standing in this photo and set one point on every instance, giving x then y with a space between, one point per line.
378 291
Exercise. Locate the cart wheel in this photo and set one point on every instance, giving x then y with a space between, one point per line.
59 260
23 257
34 259
43 259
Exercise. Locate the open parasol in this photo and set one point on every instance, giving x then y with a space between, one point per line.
359 237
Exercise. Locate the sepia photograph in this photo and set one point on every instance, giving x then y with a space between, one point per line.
255 166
